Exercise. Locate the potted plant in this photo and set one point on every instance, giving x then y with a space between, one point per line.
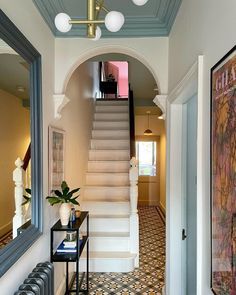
65 198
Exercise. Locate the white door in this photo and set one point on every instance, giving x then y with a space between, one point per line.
189 200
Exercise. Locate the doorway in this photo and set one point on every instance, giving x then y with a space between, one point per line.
189 231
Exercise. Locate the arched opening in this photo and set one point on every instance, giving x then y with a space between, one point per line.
87 129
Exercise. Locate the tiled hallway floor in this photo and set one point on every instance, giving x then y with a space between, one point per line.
148 279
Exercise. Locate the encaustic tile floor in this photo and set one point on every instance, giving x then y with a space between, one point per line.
148 279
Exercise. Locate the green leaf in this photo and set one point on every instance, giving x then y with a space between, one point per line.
28 190
74 191
58 193
53 200
63 185
65 191
73 201
27 200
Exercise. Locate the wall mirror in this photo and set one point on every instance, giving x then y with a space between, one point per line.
20 144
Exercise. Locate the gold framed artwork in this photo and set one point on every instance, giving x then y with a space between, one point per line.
56 158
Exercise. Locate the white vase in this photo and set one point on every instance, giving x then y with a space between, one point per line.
64 213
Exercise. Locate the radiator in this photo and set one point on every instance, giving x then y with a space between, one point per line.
39 282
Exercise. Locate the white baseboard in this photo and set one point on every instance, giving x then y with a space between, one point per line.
163 209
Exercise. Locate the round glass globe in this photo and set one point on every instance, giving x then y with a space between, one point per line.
62 22
98 34
140 2
114 20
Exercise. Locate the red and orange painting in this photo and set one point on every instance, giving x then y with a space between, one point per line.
223 175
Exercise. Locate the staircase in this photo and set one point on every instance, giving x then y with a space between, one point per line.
107 193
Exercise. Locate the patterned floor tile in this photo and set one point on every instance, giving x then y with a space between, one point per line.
148 279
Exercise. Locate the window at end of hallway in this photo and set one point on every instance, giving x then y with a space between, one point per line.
146 156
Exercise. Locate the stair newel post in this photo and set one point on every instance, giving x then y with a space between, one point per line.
18 218
133 178
134 218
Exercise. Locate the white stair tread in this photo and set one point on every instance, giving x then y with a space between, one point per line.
109 234
110 255
108 216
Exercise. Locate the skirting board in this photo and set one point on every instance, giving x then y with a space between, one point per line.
163 209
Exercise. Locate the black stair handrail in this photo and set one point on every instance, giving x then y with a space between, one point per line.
131 123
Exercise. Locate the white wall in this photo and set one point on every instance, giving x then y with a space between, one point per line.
14 141
77 120
202 27
27 19
152 52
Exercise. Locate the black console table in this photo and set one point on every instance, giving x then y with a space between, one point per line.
108 87
73 257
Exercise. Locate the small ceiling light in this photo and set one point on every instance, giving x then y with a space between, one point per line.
161 117
140 2
20 88
62 22
148 131
98 34
114 21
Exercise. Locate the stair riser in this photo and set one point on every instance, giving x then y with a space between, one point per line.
112 103
99 125
109 144
102 208
109 155
108 244
111 117
110 134
109 193
109 166
109 224
108 265
112 109
107 180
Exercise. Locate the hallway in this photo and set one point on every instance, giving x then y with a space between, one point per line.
148 279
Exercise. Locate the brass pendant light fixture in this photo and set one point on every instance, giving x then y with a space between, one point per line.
148 131
113 21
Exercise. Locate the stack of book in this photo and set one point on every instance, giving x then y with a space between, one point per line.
67 247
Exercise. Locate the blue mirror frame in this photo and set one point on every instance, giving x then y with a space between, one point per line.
16 40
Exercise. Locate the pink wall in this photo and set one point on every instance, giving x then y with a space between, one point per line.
123 81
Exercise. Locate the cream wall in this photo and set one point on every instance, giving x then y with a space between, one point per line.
30 23
202 27
14 141
77 120
152 52
152 189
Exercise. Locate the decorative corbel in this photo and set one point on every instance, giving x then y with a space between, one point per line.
160 101
60 101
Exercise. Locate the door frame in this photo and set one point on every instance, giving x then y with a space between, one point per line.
191 84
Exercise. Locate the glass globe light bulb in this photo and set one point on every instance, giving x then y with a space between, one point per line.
140 2
62 22
114 20
98 34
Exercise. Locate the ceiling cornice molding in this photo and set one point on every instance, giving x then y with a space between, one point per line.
157 23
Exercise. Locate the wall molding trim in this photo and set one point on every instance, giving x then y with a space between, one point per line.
160 101
185 86
60 101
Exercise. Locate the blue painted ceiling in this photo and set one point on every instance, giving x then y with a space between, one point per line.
155 18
